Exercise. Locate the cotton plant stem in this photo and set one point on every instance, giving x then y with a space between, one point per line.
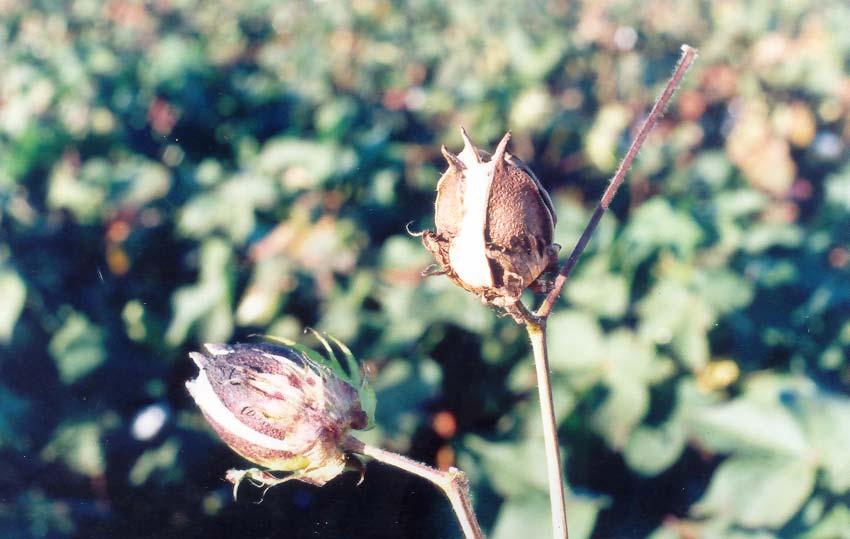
688 56
452 482
537 335
535 323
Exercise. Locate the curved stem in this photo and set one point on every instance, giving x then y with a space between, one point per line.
537 334
452 482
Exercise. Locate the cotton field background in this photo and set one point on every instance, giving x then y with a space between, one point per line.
174 172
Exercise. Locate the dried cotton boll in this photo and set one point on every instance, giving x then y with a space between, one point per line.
495 224
280 408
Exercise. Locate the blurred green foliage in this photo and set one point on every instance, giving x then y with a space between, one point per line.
174 172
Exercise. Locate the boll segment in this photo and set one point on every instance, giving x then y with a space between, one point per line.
283 408
495 224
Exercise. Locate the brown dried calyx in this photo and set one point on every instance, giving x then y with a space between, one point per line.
495 224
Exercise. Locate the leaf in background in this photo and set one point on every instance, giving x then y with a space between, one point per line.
763 236
672 314
205 305
13 290
515 467
529 516
78 445
657 225
597 290
343 314
835 525
763 156
77 348
162 459
826 420
674 528
651 450
723 290
402 388
304 164
576 343
68 189
534 60
271 281
143 181
229 207
603 138
435 299
322 246
532 109
758 491
747 424
624 407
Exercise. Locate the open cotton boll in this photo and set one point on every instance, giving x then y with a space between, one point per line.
495 224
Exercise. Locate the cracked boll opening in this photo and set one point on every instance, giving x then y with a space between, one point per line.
277 408
494 224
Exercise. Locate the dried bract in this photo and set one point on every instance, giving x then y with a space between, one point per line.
495 224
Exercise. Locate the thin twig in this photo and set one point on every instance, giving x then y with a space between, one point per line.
452 482
688 55
535 324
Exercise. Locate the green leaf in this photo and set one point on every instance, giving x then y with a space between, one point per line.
271 280
304 163
598 291
163 458
576 342
758 491
724 290
515 467
835 525
747 424
623 409
601 142
827 422
529 516
206 305
78 445
672 314
13 290
651 450
77 348
230 207
656 225
402 388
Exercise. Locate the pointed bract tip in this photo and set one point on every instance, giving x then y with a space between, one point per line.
200 359
452 159
499 154
468 146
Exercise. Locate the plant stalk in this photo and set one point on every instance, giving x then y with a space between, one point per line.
537 334
452 482
535 323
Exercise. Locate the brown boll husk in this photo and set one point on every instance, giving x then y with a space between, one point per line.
495 224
